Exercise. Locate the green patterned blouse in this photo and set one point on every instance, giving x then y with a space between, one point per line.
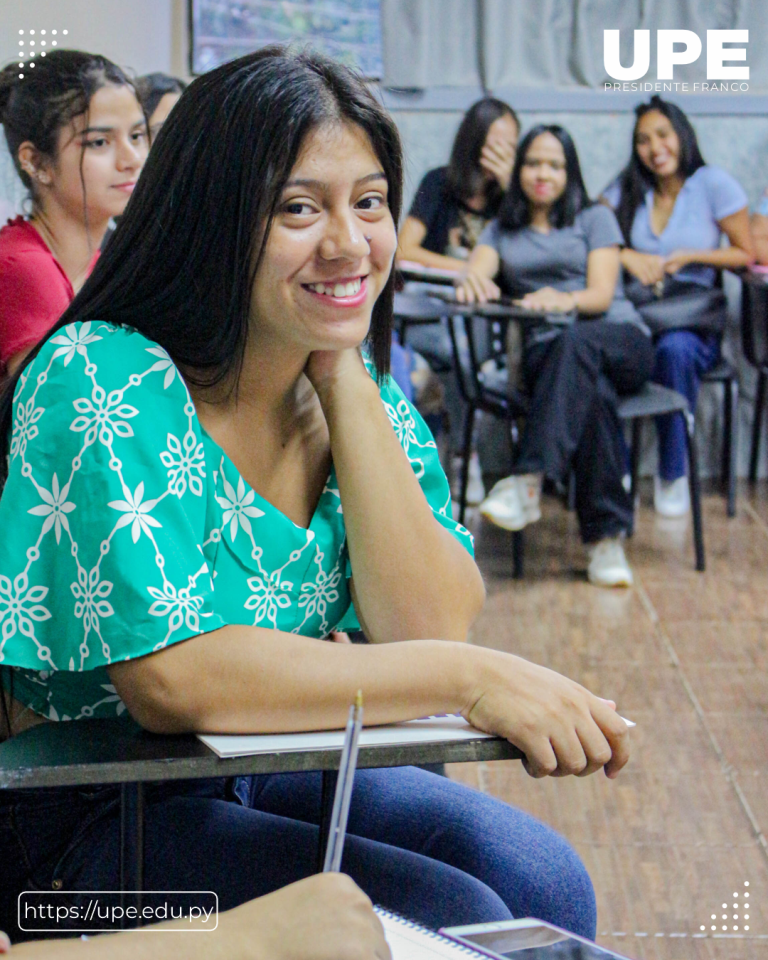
125 528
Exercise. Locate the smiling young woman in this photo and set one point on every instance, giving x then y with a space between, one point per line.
78 139
239 479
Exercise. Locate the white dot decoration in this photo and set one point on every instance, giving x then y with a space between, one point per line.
725 906
65 32
21 76
42 32
21 43
32 63
42 43
21 64
31 43
725 916
54 32
746 894
746 883
713 917
43 53
746 928
725 927
21 33
53 43
31 32
735 894
702 927
714 927
735 928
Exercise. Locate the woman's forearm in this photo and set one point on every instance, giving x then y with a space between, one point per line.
412 579
724 258
429 259
266 681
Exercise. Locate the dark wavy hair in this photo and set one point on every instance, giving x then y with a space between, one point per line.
153 87
515 212
181 265
465 175
48 97
636 179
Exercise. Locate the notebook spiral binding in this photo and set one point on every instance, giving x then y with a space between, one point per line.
432 934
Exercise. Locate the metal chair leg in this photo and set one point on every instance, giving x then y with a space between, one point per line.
695 488
634 456
518 555
131 847
757 424
732 425
466 453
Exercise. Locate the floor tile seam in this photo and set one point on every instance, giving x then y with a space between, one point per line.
761 524
728 770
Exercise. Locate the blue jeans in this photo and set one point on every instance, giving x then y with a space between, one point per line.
418 844
682 357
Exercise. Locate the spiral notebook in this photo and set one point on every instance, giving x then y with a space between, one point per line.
409 941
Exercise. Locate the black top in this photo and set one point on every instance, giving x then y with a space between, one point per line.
449 222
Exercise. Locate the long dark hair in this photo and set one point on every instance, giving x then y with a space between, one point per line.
45 99
181 265
465 175
153 87
636 179
515 212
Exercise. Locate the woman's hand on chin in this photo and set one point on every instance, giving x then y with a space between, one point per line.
327 370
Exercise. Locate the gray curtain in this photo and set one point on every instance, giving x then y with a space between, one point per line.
550 43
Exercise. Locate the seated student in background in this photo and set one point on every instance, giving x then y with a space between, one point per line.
558 252
759 224
452 206
674 210
78 139
215 480
325 917
454 203
158 94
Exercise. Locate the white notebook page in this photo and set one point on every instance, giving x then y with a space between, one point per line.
407 941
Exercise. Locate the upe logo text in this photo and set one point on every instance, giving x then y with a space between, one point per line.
667 57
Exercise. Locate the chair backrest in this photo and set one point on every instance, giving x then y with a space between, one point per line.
754 320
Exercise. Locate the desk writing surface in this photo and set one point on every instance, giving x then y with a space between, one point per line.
75 753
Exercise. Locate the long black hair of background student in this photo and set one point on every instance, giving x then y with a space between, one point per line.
636 179
466 178
180 267
515 212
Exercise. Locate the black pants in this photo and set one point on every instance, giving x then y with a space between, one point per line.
576 380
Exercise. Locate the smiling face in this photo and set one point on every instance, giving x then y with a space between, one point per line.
657 144
542 172
330 249
109 146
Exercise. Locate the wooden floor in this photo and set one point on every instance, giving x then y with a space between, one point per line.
679 840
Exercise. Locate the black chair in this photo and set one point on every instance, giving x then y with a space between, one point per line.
495 399
492 398
653 400
725 374
754 341
417 310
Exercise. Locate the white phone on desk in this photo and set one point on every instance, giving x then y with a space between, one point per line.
527 939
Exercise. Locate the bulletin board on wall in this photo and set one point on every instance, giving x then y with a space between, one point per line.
348 30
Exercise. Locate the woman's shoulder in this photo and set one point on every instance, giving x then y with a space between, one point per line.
710 176
19 239
107 355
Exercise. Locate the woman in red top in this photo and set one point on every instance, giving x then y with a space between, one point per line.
78 139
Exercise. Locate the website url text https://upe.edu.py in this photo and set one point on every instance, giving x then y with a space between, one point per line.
101 911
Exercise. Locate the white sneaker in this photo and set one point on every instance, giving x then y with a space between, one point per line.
513 502
608 565
475 488
671 498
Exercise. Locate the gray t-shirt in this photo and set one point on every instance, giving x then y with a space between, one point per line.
531 260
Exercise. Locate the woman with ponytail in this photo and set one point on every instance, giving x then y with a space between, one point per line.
77 136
